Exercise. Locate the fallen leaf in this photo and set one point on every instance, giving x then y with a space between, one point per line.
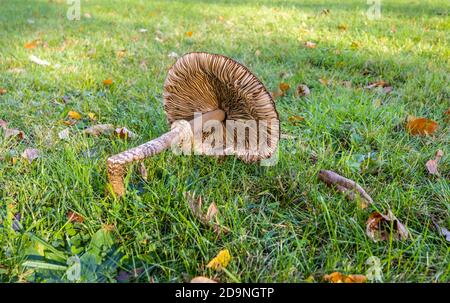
442 231
447 114
14 133
2 91
201 279
257 53
284 87
421 126
69 122
211 217
277 93
337 277
74 115
64 134
309 44
433 163
296 119
346 186
324 81
220 261
124 133
342 27
378 227
354 45
100 129
302 91
30 154
32 44
107 82
121 53
189 34
38 61
74 217
92 116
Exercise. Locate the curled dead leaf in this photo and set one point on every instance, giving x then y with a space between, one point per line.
432 165
421 126
74 217
124 133
30 154
378 227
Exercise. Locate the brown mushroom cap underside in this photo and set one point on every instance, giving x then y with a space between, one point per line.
203 82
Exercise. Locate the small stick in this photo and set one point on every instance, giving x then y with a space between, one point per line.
344 185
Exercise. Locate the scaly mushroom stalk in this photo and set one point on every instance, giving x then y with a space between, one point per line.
117 164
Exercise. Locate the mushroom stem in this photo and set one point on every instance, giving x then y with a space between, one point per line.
116 165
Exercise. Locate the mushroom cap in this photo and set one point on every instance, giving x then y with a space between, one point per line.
204 82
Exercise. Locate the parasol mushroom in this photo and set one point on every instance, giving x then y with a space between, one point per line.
201 90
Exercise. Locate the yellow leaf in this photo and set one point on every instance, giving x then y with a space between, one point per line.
296 119
31 44
189 34
74 115
221 260
342 27
121 53
107 82
284 86
92 116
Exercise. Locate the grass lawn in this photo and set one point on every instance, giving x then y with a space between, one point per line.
285 224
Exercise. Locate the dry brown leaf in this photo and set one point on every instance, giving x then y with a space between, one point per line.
349 187
30 154
100 129
18 134
296 119
302 91
284 87
124 133
277 93
2 91
447 115
201 279
74 115
107 82
309 44
74 217
421 126
209 219
32 44
337 277
433 163
378 227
